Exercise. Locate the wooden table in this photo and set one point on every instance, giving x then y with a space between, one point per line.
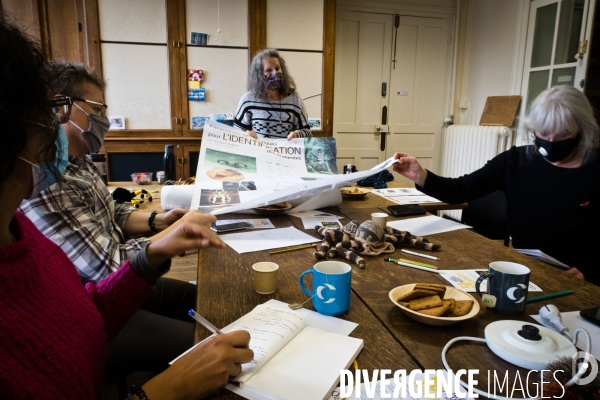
391 340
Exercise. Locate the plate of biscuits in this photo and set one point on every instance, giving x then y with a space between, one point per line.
353 192
273 209
434 304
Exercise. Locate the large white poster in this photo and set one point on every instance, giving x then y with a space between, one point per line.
236 172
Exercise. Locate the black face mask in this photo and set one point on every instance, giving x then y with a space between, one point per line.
556 151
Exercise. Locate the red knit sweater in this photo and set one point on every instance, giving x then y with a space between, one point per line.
53 330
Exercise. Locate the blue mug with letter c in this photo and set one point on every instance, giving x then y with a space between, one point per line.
331 287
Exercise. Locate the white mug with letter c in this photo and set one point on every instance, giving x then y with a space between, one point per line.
507 287
331 287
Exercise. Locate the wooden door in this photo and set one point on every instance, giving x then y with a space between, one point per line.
418 90
370 124
363 51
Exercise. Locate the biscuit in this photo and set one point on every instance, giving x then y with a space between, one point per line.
436 288
436 311
451 304
462 307
415 294
425 302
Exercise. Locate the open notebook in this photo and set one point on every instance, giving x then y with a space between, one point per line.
291 359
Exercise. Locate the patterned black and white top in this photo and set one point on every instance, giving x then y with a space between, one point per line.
274 119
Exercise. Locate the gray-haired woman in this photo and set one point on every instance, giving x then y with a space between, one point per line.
552 187
272 107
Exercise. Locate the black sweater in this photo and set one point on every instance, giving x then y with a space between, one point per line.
553 209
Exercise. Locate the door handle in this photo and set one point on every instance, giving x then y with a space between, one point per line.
383 89
382 141
384 115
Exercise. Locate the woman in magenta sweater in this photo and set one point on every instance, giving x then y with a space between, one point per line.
53 330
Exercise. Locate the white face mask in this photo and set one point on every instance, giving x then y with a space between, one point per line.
96 132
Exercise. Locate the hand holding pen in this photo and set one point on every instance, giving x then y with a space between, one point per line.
206 368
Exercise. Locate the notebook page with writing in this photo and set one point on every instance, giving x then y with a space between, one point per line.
270 328
308 367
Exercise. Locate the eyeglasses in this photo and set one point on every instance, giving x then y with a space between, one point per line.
99 108
61 106
234 165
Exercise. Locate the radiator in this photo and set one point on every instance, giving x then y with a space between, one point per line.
467 148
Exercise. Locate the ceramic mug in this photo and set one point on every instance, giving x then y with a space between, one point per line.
507 287
331 287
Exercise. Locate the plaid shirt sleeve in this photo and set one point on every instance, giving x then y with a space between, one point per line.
80 216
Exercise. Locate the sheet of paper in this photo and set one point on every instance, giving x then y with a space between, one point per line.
465 280
373 391
176 196
270 328
329 198
540 255
573 320
247 242
259 223
428 225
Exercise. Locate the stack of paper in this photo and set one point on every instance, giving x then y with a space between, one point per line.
405 196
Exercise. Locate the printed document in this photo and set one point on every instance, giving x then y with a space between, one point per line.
237 172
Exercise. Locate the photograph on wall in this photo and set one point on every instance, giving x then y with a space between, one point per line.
319 156
195 75
198 38
216 158
196 94
117 122
314 123
217 198
198 122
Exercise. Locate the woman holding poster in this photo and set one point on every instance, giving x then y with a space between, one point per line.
272 108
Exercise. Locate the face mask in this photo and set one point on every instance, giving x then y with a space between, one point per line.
556 151
46 174
97 128
274 81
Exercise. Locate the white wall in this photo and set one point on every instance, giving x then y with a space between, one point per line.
494 53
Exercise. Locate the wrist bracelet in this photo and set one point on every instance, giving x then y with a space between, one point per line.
139 392
151 221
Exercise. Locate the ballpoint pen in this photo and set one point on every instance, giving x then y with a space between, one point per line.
420 264
420 255
548 296
414 266
204 322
